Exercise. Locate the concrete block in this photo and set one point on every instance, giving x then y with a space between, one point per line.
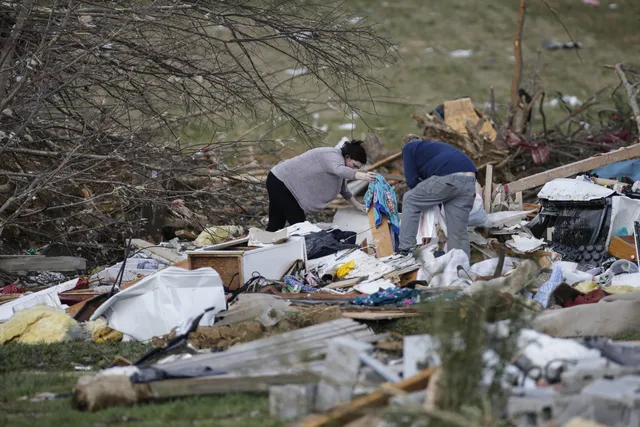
420 352
290 402
610 412
341 373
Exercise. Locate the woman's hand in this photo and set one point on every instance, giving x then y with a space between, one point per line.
366 176
359 206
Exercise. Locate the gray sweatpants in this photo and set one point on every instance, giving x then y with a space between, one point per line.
457 194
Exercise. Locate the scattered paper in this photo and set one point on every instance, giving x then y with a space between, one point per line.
573 101
524 244
294 72
460 53
373 287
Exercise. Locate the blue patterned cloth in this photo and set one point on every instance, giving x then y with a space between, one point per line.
388 296
383 198
295 286
404 296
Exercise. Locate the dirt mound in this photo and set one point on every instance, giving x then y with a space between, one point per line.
223 337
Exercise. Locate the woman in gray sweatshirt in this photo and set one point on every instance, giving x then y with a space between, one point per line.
312 180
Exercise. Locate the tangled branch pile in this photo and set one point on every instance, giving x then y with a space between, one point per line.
94 98
519 151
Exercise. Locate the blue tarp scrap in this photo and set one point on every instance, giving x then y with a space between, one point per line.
404 296
389 296
629 168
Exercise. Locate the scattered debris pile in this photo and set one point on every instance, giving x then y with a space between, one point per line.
539 277
510 144
236 310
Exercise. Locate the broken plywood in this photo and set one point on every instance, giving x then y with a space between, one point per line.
623 247
382 241
458 111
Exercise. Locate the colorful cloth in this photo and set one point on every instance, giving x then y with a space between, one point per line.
295 286
589 298
404 296
383 198
539 150
389 296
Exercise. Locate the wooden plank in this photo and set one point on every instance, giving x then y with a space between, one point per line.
581 422
406 278
591 163
349 283
488 186
623 247
167 389
393 177
13 264
608 182
384 161
382 242
228 266
378 314
9 297
316 296
402 276
356 408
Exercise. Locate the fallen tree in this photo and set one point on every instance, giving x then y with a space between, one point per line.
94 98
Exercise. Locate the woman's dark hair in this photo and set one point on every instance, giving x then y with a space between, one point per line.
355 150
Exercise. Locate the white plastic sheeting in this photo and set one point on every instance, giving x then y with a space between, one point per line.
160 302
543 349
624 211
47 296
488 267
566 189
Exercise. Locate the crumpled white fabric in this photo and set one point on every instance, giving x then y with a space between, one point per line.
443 271
435 216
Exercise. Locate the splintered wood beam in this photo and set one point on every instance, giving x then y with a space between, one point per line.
379 398
384 161
585 165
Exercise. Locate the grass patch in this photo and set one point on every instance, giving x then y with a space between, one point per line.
424 75
65 356
31 369
223 410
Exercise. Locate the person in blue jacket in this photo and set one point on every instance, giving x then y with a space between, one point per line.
437 173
